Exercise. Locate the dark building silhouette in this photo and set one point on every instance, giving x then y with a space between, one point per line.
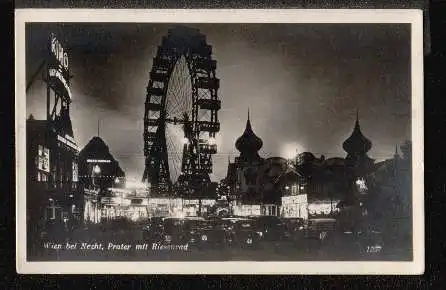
53 195
390 190
243 175
251 178
332 180
98 169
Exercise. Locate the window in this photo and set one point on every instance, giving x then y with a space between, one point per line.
50 213
294 189
42 176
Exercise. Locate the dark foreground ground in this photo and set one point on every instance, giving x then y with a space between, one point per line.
331 249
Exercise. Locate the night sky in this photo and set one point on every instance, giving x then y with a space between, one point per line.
301 82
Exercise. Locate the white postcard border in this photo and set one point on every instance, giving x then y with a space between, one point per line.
414 17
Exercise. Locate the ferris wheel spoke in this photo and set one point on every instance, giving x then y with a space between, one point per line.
178 97
175 106
177 78
170 156
181 99
174 157
180 103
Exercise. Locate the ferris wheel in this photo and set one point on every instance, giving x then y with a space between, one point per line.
180 120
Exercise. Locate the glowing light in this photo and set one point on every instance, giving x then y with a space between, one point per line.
185 140
324 207
134 217
287 187
360 182
294 199
290 150
97 169
117 180
135 184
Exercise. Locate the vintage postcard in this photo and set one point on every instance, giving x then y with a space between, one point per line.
219 141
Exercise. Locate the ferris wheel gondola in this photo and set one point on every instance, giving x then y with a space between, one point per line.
181 120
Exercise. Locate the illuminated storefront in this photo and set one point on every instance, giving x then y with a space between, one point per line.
137 205
295 206
92 208
323 207
255 210
246 210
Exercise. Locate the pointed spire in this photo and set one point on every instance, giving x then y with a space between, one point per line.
357 142
248 143
396 155
248 122
98 127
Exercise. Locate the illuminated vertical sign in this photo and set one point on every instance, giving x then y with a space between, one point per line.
75 172
58 52
43 159
58 73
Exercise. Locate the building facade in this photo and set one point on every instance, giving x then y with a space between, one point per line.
54 199
99 173
53 194
254 184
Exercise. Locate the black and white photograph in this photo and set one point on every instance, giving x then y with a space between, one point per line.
223 138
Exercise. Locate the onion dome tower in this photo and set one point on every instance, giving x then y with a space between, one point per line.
249 144
357 145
